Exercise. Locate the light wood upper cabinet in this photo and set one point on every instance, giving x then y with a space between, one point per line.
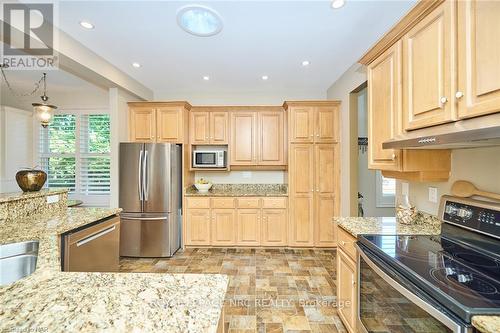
316 122
301 173
271 138
302 124
142 124
198 227
248 224
384 108
347 290
223 227
219 127
169 124
157 121
478 90
273 225
326 124
427 72
199 127
243 149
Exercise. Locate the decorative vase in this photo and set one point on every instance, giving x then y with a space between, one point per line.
31 180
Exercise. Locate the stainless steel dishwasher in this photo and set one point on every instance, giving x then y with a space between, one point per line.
93 249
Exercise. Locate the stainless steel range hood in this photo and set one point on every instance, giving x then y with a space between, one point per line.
470 133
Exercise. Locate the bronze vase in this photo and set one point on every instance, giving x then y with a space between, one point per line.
31 180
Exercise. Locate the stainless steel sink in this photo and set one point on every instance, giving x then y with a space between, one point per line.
17 260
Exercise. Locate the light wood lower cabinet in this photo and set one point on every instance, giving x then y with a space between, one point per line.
347 291
223 227
228 221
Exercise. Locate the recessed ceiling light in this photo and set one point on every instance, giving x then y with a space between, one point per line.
305 63
265 77
336 4
87 25
199 20
136 64
206 78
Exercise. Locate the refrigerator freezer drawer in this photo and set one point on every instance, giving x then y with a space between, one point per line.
146 237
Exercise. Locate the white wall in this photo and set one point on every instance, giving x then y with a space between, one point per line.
350 80
481 166
244 177
16 145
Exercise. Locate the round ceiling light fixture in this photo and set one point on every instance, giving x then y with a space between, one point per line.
336 4
199 20
87 25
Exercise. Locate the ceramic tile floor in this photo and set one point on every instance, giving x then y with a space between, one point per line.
270 290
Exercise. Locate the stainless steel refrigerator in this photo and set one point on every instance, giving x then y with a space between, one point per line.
150 196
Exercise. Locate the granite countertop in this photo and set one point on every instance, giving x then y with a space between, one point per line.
241 190
387 225
53 301
428 225
5 197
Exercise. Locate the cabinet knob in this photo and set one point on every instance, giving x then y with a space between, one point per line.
459 94
443 100
317 135
393 156
312 190
312 135
353 282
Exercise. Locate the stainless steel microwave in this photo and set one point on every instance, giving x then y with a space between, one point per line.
209 158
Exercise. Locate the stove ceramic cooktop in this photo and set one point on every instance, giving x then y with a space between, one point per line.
461 278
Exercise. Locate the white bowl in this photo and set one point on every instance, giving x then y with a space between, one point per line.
203 188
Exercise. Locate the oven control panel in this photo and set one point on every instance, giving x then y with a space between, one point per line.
473 214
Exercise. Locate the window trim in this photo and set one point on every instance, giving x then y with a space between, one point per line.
89 200
382 201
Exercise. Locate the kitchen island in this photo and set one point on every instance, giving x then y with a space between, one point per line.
50 300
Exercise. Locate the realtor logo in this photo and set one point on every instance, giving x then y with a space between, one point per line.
29 36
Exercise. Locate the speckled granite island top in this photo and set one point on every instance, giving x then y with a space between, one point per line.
387 225
241 190
53 301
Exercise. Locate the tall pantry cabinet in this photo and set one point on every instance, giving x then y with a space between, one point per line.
313 172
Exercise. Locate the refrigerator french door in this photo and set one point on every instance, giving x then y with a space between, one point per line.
150 196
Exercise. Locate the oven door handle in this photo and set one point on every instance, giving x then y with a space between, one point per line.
438 315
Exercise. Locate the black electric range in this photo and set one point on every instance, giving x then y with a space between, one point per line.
459 270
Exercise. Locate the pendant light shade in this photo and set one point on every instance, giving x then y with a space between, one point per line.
44 111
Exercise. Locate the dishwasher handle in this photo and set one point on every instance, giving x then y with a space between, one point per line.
94 236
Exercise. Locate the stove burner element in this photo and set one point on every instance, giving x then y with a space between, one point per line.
477 260
463 281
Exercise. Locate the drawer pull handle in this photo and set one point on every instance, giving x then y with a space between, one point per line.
95 236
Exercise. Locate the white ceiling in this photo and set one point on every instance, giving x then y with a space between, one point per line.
259 38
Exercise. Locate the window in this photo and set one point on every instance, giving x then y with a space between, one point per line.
385 191
75 153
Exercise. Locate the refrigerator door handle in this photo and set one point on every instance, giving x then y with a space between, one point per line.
145 180
139 183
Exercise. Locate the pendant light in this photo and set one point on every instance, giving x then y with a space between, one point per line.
44 111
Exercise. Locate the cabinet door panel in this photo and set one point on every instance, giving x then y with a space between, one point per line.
169 124
142 123
199 127
301 169
223 227
427 51
274 223
384 108
219 127
243 149
324 227
198 227
346 290
248 224
478 57
271 138
326 118
301 220
325 168
302 124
